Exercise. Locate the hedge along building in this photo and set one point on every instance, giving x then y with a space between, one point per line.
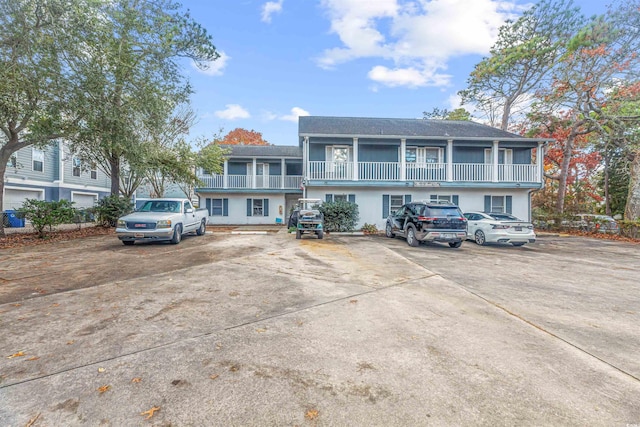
379 164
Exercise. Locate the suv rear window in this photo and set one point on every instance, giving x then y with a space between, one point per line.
439 211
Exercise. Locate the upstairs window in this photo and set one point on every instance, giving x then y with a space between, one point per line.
422 155
76 166
94 170
37 157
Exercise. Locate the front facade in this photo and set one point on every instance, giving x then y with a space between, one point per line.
259 185
52 173
379 164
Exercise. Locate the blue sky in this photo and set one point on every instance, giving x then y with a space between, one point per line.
358 58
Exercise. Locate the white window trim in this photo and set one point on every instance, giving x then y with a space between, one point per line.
391 205
221 207
93 171
423 150
508 156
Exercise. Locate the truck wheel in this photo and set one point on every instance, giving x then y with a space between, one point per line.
298 234
128 242
320 234
177 234
203 228
411 237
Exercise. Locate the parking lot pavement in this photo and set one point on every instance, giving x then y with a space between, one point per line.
343 331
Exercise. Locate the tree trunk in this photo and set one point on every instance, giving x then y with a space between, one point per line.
564 173
114 162
607 202
632 209
4 159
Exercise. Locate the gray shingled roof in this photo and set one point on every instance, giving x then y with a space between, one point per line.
264 151
377 127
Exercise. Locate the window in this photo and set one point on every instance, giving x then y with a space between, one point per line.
76 165
505 156
257 207
13 161
499 204
424 155
344 197
444 198
395 203
38 160
94 170
216 207
391 203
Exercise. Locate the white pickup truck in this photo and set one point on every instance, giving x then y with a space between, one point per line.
162 219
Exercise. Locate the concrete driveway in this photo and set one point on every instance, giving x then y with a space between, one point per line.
269 330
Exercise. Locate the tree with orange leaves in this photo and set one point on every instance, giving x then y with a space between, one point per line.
240 136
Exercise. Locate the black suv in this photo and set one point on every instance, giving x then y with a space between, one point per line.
428 222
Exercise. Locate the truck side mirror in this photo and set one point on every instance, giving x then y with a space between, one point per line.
188 210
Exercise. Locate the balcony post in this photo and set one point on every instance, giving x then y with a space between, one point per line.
305 157
450 160
403 159
253 173
283 169
355 159
540 162
494 162
225 175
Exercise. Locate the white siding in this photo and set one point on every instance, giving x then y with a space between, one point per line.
238 209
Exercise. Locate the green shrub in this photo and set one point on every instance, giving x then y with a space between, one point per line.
109 209
369 228
630 229
42 214
339 215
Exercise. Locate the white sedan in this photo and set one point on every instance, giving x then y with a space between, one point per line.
498 228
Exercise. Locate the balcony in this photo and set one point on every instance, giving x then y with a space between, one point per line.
269 182
426 172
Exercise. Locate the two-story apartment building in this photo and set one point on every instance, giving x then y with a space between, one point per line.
379 164
52 173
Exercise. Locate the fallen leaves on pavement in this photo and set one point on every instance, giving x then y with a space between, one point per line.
136 380
312 414
33 420
18 354
18 240
150 412
104 388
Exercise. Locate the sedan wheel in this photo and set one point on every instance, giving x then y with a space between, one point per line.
411 237
480 238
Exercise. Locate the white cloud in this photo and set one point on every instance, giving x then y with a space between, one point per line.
269 8
214 68
233 112
295 113
419 37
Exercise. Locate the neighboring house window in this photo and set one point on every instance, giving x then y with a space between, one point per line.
13 161
257 207
218 207
76 165
94 170
392 202
38 160
500 204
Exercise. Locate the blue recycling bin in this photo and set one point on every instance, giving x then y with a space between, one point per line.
15 219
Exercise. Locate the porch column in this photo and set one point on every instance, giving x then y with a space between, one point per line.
403 159
355 159
449 160
540 162
305 158
494 161
225 175
253 173
283 169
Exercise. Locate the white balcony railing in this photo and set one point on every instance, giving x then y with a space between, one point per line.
432 172
246 181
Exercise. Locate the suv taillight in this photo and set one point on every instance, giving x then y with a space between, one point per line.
426 218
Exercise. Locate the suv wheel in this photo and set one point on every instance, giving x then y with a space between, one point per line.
455 244
480 238
388 232
411 237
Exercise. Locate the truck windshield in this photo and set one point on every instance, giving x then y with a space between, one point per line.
160 206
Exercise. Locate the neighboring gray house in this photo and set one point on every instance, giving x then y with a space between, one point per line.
52 173
379 164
